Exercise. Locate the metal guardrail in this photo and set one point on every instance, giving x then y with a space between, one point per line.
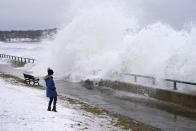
136 76
18 59
178 81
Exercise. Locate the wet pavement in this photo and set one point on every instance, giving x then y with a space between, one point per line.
114 101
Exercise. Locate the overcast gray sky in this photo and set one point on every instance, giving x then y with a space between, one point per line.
31 14
39 14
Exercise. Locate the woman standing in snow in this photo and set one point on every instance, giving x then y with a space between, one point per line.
51 90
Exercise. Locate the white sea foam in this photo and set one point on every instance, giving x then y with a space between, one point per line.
101 40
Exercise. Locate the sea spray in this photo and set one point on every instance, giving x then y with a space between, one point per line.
101 41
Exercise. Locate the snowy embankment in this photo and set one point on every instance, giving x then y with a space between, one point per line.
24 108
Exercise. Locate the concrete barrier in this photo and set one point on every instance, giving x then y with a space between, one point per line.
171 96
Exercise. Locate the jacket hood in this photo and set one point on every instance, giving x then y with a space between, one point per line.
46 77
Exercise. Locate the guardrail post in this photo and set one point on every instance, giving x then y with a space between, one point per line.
135 78
175 85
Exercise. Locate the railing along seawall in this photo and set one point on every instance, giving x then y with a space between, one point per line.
18 59
175 82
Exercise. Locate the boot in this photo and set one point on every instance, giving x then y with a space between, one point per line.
49 108
54 109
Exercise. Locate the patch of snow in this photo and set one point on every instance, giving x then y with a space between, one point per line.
25 109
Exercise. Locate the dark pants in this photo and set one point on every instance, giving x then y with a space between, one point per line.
51 100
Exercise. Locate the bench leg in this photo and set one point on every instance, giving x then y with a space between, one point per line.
34 82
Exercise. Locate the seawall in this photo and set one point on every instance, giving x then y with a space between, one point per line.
183 99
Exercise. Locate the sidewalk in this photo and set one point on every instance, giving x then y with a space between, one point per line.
25 109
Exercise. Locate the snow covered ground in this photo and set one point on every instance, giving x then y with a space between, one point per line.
25 109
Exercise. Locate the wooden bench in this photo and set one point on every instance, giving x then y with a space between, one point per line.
29 78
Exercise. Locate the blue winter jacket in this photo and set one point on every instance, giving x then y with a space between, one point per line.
51 89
